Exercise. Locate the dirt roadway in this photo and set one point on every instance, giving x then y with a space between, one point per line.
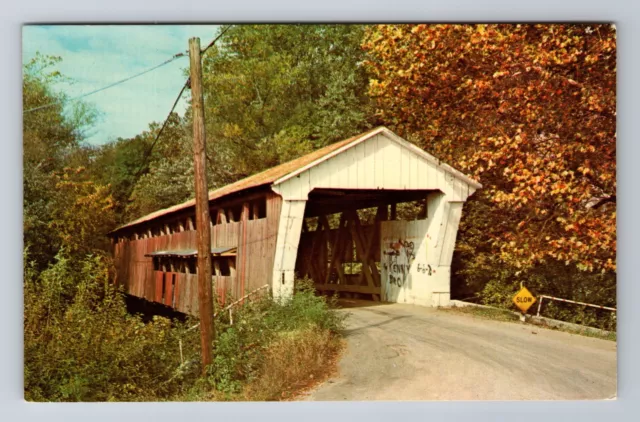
404 352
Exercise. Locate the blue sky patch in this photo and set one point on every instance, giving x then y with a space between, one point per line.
94 56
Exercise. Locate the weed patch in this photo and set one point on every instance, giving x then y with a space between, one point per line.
273 348
487 313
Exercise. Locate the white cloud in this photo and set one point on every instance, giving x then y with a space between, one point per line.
95 56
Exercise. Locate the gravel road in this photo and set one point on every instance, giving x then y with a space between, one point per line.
405 352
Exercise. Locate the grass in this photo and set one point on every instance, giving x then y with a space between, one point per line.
274 351
294 362
486 313
504 315
586 331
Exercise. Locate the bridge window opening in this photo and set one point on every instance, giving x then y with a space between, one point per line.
411 210
221 266
367 215
258 209
311 223
234 213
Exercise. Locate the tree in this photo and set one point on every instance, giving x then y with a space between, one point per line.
529 110
275 92
119 164
52 140
272 93
83 212
164 173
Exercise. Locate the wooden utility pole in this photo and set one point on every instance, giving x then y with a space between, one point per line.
203 227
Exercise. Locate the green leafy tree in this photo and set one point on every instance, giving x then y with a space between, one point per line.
82 212
167 178
119 164
272 93
53 131
275 92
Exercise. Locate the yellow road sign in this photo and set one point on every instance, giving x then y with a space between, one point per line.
524 299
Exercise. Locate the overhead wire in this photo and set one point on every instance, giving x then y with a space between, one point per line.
187 83
166 62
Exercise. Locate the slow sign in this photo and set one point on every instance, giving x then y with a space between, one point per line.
524 299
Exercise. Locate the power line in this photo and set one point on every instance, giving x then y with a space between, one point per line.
174 57
216 39
153 144
187 83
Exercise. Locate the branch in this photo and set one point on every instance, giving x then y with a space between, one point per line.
596 203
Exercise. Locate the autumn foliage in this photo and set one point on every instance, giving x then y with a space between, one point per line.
530 111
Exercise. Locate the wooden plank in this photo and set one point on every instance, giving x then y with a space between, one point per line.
194 295
221 218
335 255
356 232
244 218
314 264
158 286
168 289
414 163
324 253
186 294
375 144
274 207
371 245
219 288
339 247
451 230
178 290
403 173
149 284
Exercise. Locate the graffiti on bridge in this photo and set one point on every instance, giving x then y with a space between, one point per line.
399 257
425 269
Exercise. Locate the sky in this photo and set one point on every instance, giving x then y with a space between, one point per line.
94 56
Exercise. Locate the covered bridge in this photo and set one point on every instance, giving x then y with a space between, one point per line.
373 215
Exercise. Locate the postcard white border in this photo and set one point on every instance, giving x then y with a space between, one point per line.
623 13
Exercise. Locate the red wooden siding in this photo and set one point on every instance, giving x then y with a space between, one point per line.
255 241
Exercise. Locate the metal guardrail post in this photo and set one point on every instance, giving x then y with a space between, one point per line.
539 305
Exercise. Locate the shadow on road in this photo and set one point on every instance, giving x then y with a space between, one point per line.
353 331
359 303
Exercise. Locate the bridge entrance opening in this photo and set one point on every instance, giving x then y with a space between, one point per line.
341 246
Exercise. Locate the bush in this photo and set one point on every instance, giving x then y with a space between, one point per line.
81 345
244 351
558 280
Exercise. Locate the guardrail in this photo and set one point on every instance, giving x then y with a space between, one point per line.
541 297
